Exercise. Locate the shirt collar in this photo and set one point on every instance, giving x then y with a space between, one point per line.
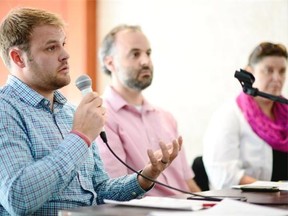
29 95
117 102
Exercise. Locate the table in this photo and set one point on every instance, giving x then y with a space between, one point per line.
271 199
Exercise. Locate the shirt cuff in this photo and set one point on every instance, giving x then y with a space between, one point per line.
135 190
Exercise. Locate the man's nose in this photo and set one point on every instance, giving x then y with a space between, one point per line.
145 59
64 55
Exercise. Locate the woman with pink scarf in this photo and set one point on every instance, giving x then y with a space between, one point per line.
247 139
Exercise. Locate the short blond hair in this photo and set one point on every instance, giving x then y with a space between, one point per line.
17 27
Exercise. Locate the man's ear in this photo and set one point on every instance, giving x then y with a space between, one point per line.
16 57
108 61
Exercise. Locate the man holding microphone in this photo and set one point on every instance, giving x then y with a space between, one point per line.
49 160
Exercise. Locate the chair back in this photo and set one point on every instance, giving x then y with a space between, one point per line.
201 177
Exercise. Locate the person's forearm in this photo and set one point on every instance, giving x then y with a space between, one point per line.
247 180
145 183
193 186
123 188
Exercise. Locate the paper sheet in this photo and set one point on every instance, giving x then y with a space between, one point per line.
163 202
228 207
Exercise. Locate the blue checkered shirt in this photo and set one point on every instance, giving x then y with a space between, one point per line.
44 167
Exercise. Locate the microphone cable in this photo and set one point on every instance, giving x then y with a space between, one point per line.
83 83
105 140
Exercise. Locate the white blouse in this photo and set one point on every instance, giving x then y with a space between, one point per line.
232 149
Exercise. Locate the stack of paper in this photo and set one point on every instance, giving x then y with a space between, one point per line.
281 185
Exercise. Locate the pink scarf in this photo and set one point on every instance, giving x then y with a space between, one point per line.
274 132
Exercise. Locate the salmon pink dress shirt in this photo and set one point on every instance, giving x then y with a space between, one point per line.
131 132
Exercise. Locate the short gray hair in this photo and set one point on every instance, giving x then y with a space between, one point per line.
108 44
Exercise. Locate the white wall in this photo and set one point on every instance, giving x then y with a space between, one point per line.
197 46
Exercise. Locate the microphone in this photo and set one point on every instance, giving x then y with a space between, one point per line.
84 83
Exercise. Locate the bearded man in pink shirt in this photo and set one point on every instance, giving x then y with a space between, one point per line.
134 125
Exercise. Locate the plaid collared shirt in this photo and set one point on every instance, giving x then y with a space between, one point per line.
44 167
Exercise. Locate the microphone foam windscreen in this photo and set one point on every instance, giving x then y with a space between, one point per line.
83 82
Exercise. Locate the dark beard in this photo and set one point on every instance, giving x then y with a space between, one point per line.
138 84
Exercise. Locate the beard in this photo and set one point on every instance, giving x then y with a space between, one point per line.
135 81
46 80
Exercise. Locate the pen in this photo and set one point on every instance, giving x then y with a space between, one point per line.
208 205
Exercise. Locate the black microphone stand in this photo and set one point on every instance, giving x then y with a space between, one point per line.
246 80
